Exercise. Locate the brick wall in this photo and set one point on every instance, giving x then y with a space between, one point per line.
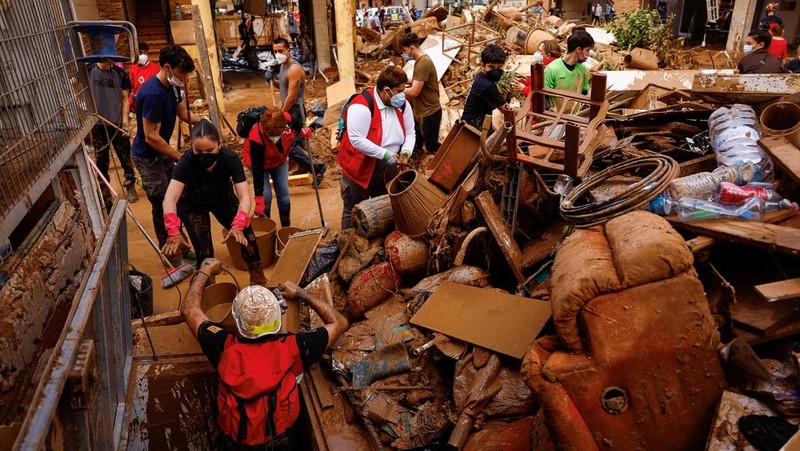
623 6
46 278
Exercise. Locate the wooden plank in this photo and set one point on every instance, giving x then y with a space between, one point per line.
322 386
758 234
778 291
542 245
502 235
295 258
205 65
785 155
485 317
705 163
182 31
290 267
762 317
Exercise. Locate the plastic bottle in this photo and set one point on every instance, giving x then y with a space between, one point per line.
703 185
698 209
734 137
663 205
730 193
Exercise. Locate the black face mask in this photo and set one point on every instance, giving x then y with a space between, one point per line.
206 160
494 75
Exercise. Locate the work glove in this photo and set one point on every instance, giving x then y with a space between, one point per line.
211 267
306 133
390 157
240 222
291 290
260 206
173 249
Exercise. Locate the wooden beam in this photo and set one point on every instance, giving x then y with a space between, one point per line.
752 233
779 291
785 155
205 65
491 214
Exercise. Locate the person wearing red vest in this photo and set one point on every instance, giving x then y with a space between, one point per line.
266 153
259 369
140 73
379 130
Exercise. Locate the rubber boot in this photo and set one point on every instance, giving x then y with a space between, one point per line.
286 220
257 277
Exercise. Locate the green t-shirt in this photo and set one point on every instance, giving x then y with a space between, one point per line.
427 101
558 76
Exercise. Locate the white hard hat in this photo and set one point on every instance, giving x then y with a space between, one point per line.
257 312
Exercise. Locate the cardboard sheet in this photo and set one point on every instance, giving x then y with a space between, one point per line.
485 317
432 46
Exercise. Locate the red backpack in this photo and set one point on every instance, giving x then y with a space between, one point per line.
258 393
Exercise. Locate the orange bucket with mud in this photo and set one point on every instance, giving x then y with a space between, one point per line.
217 302
283 237
264 228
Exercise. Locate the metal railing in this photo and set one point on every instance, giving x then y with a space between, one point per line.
45 104
91 363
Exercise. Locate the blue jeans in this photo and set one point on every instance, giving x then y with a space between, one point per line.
280 181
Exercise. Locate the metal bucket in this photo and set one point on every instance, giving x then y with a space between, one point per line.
782 119
264 228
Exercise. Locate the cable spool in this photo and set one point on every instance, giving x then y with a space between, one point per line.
637 195
102 37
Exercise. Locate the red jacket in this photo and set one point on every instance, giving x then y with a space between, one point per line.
355 165
272 156
138 75
258 379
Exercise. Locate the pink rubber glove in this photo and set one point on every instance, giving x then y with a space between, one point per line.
260 206
306 133
241 221
173 224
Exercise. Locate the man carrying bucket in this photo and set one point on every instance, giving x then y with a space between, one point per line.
258 368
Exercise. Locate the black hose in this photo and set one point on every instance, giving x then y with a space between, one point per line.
664 169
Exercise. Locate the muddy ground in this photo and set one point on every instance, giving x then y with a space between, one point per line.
247 90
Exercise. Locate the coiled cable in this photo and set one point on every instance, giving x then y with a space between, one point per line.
663 170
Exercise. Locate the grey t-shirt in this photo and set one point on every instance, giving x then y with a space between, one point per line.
107 87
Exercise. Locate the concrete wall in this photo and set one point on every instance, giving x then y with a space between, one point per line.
45 279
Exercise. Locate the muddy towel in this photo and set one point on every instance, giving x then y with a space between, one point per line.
634 364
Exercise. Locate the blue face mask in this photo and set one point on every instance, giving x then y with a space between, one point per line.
407 57
398 100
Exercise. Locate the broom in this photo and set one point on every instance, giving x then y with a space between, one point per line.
173 275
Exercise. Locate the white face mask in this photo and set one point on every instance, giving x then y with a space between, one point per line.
143 59
275 139
173 80
748 49
281 57
538 57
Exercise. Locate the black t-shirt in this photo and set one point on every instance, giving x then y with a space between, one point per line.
483 98
207 188
311 344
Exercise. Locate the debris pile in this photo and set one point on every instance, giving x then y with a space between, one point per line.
625 248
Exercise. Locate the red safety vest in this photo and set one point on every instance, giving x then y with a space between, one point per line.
355 165
272 157
258 393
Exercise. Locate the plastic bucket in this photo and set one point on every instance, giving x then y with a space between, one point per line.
782 119
142 297
283 237
264 228
217 302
